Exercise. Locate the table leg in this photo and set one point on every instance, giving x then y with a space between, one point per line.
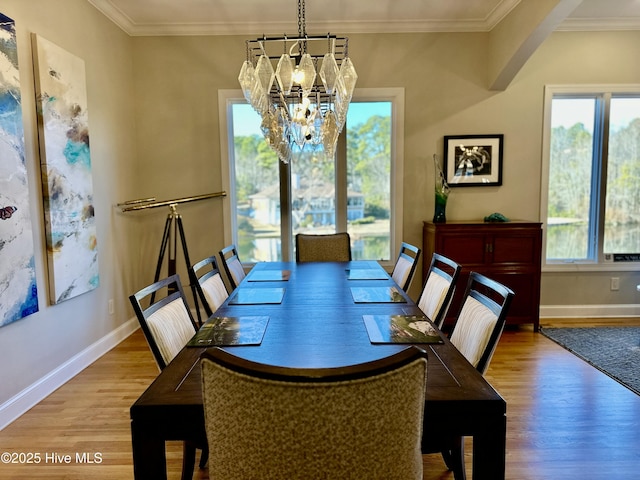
149 457
489 451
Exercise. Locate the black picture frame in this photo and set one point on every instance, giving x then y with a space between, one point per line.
473 160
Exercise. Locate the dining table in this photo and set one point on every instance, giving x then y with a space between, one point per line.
314 315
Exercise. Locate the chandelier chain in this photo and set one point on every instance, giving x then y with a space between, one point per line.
302 28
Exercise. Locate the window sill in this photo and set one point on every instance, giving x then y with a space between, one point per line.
591 267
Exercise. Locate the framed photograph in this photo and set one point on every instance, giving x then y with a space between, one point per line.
473 160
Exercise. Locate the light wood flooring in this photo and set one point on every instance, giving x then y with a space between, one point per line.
566 420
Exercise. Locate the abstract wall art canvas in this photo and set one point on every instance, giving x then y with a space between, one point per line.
18 291
65 164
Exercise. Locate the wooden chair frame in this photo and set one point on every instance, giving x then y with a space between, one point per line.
227 255
450 271
497 298
199 273
174 292
411 254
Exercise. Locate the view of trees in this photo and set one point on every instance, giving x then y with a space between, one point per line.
256 166
570 172
368 173
570 191
368 153
623 176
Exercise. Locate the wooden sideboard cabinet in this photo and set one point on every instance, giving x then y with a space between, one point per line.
509 253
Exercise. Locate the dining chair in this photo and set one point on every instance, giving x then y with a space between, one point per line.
405 265
439 287
332 247
210 287
168 325
232 265
475 334
270 422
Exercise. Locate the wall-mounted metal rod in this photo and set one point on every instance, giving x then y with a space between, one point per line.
141 205
134 202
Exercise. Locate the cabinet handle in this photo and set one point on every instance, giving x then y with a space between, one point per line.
488 248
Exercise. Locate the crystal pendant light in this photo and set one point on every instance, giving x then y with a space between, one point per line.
304 101
284 74
329 72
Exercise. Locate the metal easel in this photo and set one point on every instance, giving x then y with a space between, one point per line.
173 229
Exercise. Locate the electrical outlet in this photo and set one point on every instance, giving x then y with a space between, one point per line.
615 283
111 307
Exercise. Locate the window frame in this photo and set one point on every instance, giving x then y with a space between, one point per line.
601 130
394 95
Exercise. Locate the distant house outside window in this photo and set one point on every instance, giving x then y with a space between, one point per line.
359 191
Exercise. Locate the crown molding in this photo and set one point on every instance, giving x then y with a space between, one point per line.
123 21
599 24
133 29
260 28
115 15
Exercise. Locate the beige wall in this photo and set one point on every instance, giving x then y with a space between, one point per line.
445 82
153 116
34 346
580 58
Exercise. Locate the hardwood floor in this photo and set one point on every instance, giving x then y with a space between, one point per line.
566 420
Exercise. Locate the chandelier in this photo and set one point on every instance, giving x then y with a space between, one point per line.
299 103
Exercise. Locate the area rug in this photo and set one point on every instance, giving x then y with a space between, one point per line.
612 350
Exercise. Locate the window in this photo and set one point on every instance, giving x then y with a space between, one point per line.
592 156
360 192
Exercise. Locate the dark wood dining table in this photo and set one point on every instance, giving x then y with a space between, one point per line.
317 324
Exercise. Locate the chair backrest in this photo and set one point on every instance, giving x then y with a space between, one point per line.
354 422
333 247
439 288
405 265
210 287
481 320
232 265
166 321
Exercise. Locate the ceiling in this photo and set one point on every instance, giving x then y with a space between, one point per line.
257 17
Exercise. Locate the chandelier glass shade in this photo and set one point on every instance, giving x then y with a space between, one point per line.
301 86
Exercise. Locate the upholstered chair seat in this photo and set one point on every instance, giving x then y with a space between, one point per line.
334 247
268 423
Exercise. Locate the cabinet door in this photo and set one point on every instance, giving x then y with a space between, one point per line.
526 287
508 253
515 249
525 305
466 249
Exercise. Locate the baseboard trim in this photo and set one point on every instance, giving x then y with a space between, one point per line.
589 311
34 393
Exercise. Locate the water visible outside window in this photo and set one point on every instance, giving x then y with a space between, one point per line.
313 205
575 159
